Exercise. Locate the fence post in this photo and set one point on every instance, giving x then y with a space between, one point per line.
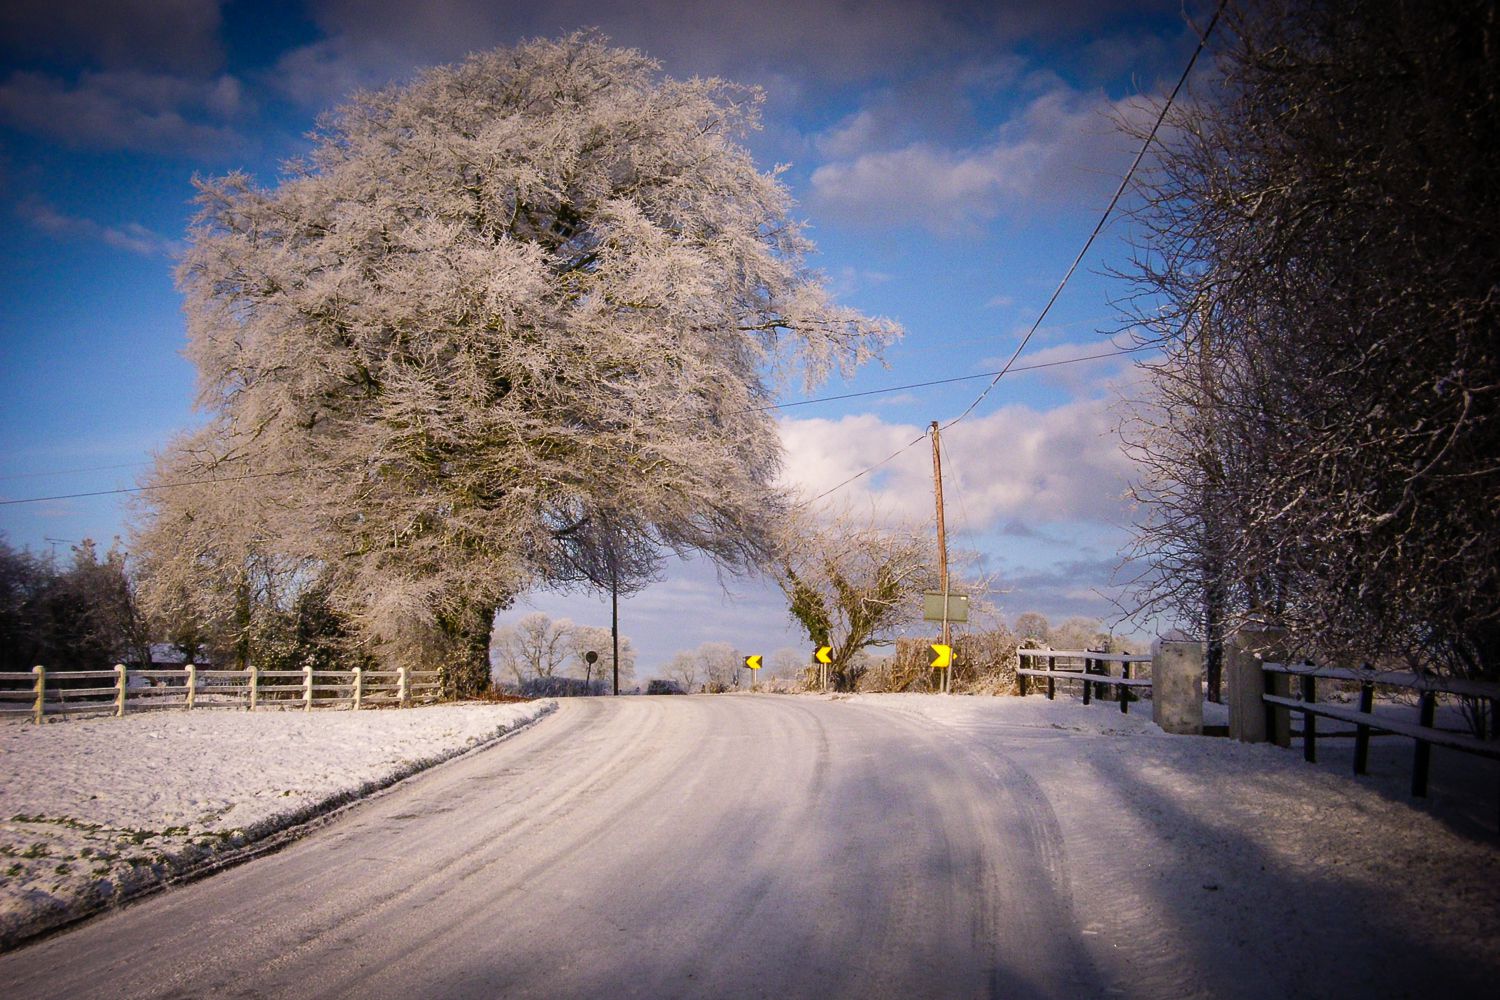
307 687
1309 720
40 708
1362 731
1177 686
1051 684
1423 759
1125 688
403 692
192 685
359 687
1021 664
119 690
1088 671
254 682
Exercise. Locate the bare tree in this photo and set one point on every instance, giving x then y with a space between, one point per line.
685 669
852 585
1032 626
534 646
587 638
492 311
1320 433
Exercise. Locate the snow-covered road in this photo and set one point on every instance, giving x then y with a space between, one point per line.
776 846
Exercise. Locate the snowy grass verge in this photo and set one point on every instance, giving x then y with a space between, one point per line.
94 812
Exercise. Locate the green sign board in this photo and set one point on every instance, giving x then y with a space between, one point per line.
932 607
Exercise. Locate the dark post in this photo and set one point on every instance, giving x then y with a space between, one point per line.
1362 732
614 616
1125 688
1051 684
1022 663
1309 720
1427 707
1088 670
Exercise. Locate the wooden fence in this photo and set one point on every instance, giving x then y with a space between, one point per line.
1277 699
55 692
1084 665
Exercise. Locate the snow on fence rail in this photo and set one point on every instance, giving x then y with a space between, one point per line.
190 687
1086 665
1279 705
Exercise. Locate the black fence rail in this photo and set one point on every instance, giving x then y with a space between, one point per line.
1086 666
1279 704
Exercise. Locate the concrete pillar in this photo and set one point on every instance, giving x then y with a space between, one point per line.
1177 686
1245 682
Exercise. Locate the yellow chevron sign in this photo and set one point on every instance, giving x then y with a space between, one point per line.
753 662
823 654
944 655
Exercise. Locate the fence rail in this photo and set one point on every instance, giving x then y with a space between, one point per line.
1425 734
1092 671
189 687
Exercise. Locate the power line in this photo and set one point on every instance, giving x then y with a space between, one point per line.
68 472
949 381
753 409
1098 228
168 486
994 379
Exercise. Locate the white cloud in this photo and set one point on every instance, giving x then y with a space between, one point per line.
1063 149
131 237
127 110
1090 375
1057 465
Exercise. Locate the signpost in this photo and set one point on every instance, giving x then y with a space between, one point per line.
753 662
824 659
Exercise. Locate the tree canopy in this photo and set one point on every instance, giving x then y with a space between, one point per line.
504 324
1319 437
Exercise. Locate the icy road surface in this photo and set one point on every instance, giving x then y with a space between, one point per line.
776 846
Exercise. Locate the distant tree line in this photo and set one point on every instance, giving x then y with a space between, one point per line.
538 655
80 615
1319 433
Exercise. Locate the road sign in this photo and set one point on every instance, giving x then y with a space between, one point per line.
822 654
753 662
591 656
932 607
944 655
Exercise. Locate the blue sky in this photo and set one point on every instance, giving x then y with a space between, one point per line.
950 158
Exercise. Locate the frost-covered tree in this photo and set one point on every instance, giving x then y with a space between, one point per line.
1319 432
1032 626
535 646
586 638
712 666
852 585
491 313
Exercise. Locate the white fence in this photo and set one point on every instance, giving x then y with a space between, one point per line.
55 692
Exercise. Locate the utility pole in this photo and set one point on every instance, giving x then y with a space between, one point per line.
614 612
937 482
